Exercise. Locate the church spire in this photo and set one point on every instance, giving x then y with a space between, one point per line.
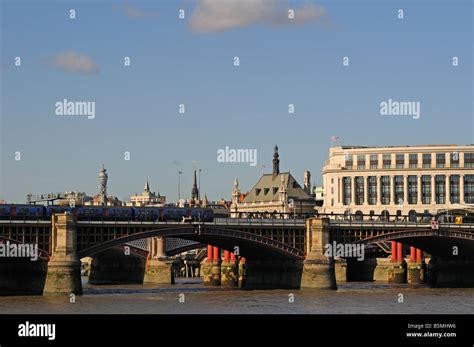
195 191
147 186
276 162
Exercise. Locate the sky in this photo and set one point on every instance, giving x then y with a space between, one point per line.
190 61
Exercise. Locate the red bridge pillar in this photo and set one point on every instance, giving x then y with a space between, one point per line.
397 271
399 252
211 268
229 275
209 253
394 251
416 268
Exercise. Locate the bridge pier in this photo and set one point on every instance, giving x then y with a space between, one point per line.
318 270
211 268
64 268
229 270
416 267
397 272
158 268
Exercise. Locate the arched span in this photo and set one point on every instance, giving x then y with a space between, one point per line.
250 245
443 243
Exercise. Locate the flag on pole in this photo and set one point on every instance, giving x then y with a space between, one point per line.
334 139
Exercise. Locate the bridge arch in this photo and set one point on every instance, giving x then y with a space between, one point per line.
251 246
437 242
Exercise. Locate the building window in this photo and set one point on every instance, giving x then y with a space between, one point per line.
426 189
440 189
359 190
399 190
468 159
332 190
361 162
469 189
349 162
454 189
332 180
440 159
372 186
455 159
346 186
385 189
400 161
387 161
413 161
427 160
412 190
374 161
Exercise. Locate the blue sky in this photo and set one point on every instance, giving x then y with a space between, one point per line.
190 61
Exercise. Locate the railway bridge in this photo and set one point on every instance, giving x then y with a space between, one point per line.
252 253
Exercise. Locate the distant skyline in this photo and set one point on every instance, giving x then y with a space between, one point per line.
190 62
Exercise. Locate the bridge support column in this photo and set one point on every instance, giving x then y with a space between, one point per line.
64 268
416 268
318 270
212 267
158 267
229 271
397 272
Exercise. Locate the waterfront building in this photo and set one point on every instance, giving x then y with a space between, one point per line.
277 192
147 198
398 180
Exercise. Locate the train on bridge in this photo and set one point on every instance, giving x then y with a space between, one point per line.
112 213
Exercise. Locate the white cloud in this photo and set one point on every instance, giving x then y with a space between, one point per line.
133 11
222 15
74 62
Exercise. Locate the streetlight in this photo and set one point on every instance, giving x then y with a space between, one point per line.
199 184
179 185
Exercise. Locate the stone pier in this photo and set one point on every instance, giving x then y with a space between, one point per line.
64 268
211 267
318 270
416 268
381 269
229 270
158 268
397 271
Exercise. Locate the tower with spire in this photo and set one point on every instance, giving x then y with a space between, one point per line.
195 191
276 162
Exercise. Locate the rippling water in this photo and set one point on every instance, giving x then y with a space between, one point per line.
355 297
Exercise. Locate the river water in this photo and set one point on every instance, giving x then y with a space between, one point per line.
350 298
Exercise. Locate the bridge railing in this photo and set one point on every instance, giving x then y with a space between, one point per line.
259 221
